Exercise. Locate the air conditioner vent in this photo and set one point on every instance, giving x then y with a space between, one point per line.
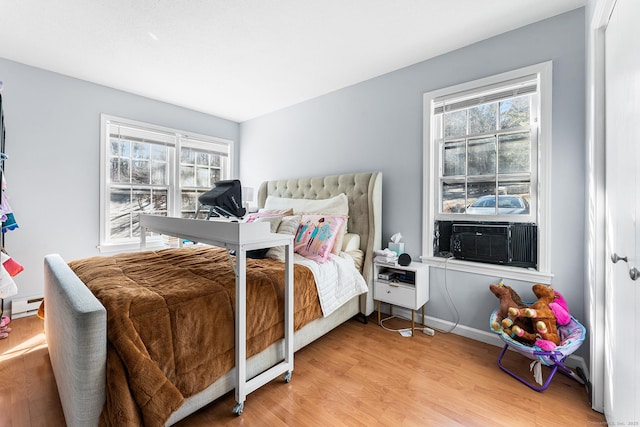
512 244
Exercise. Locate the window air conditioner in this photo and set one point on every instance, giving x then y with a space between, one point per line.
513 244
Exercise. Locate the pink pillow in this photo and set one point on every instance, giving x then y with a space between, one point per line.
252 217
316 236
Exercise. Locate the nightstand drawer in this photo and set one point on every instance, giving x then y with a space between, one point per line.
396 294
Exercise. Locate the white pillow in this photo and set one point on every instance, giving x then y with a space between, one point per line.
338 205
351 242
288 225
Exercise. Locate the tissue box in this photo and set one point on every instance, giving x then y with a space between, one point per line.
397 247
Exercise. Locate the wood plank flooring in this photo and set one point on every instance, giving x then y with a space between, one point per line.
357 375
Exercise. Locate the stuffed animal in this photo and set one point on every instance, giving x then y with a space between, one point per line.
561 311
543 318
504 321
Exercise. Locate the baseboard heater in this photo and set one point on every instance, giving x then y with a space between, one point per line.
25 307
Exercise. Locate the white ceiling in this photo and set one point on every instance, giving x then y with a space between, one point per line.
239 59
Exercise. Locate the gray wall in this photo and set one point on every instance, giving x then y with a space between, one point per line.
53 141
376 125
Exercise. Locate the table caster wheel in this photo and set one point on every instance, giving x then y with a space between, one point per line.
287 377
237 409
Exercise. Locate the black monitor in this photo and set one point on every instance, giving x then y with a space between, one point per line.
224 199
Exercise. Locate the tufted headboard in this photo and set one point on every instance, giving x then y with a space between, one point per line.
364 191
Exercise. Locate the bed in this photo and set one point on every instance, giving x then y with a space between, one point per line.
76 321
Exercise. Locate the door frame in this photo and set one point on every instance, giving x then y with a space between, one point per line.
595 241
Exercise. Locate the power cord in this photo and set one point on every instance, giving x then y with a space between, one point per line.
427 329
400 330
446 287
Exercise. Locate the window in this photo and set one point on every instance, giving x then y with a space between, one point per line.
487 153
486 144
152 169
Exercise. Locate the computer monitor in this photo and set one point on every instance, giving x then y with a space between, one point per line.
224 199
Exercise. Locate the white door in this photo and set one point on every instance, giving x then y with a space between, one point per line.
622 321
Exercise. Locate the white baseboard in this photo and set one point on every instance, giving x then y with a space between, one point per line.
486 337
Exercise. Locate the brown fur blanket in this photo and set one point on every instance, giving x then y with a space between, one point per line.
170 323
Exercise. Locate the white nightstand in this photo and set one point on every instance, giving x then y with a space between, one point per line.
405 286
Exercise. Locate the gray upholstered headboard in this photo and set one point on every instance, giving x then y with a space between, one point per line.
364 191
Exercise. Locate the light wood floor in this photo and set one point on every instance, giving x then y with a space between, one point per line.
357 375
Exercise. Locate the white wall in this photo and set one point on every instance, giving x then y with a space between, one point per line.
52 140
376 125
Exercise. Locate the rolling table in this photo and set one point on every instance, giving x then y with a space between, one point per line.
240 237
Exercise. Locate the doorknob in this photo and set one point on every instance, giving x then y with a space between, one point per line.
615 258
634 273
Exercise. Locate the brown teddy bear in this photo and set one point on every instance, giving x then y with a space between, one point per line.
541 315
504 321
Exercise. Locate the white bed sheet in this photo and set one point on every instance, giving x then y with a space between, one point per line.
337 280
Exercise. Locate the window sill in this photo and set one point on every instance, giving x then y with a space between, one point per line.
501 271
151 244
111 248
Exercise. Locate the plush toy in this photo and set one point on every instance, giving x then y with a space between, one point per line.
561 311
543 318
504 321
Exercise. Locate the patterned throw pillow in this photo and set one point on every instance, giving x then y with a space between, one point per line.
334 206
316 236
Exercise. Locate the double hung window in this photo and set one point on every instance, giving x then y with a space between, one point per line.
486 144
487 152
152 169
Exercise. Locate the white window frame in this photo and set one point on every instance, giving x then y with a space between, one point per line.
540 208
174 138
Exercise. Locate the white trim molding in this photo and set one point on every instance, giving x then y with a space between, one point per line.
595 250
